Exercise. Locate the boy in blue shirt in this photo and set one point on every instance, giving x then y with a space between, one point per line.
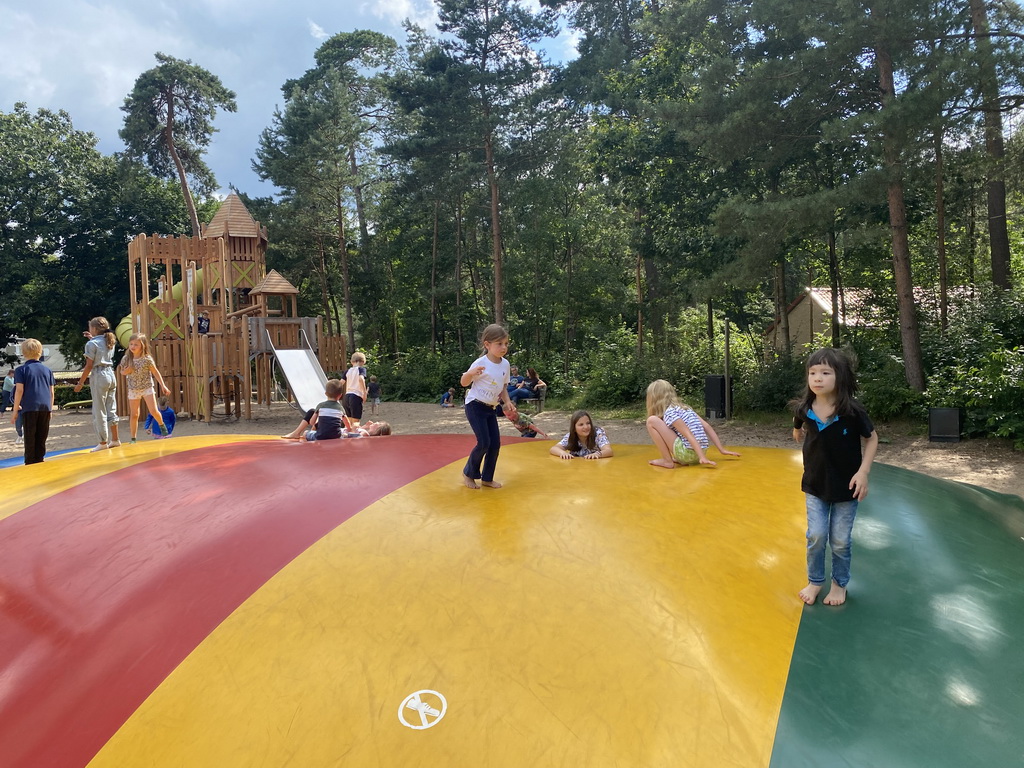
325 422
33 399
168 415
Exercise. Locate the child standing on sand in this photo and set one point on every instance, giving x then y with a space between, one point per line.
355 387
33 400
831 425
487 379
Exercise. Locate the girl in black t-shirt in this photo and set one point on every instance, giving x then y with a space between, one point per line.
831 425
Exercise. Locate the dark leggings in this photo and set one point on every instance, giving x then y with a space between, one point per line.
484 420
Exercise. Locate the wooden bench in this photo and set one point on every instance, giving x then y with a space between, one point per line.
536 403
77 404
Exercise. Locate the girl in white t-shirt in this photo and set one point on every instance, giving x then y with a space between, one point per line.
487 380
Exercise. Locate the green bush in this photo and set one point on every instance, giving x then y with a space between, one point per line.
418 375
978 364
885 393
771 386
65 393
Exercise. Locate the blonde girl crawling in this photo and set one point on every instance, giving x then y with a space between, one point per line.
139 370
679 434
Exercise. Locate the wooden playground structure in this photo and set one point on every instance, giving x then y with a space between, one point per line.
174 280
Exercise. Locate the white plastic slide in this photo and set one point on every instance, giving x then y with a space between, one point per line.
305 377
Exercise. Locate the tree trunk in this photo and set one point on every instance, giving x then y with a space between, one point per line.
567 337
492 180
639 305
433 279
711 328
910 334
782 307
940 226
999 241
458 273
186 193
323 286
833 279
357 191
345 284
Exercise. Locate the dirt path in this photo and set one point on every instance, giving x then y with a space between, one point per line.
988 463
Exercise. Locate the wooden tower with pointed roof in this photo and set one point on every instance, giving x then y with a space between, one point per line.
276 296
229 284
211 310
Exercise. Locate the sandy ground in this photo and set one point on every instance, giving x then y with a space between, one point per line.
989 463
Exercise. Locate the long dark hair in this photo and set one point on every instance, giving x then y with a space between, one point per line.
846 382
574 439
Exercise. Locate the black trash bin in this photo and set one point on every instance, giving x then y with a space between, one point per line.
714 396
945 425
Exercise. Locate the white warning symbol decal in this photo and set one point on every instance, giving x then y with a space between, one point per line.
423 709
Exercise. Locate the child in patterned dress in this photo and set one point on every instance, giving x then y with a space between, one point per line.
139 370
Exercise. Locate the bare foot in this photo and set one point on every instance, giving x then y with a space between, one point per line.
810 593
835 596
666 463
470 482
289 437
491 484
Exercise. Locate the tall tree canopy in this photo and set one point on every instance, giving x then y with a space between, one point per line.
169 123
67 213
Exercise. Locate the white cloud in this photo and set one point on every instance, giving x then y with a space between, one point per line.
84 57
316 31
421 12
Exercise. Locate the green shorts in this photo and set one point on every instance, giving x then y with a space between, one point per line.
682 453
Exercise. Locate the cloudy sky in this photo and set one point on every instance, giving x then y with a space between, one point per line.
83 56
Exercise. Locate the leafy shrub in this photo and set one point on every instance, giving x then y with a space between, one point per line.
884 391
770 386
978 365
65 393
613 374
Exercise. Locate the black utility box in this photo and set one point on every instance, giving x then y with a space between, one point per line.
945 425
714 396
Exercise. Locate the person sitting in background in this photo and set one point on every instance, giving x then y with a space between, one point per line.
517 388
447 399
535 384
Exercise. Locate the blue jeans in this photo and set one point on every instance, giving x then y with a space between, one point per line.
483 419
520 394
832 523
103 385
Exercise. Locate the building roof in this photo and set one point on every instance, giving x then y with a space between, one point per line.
233 220
862 308
274 284
51 358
